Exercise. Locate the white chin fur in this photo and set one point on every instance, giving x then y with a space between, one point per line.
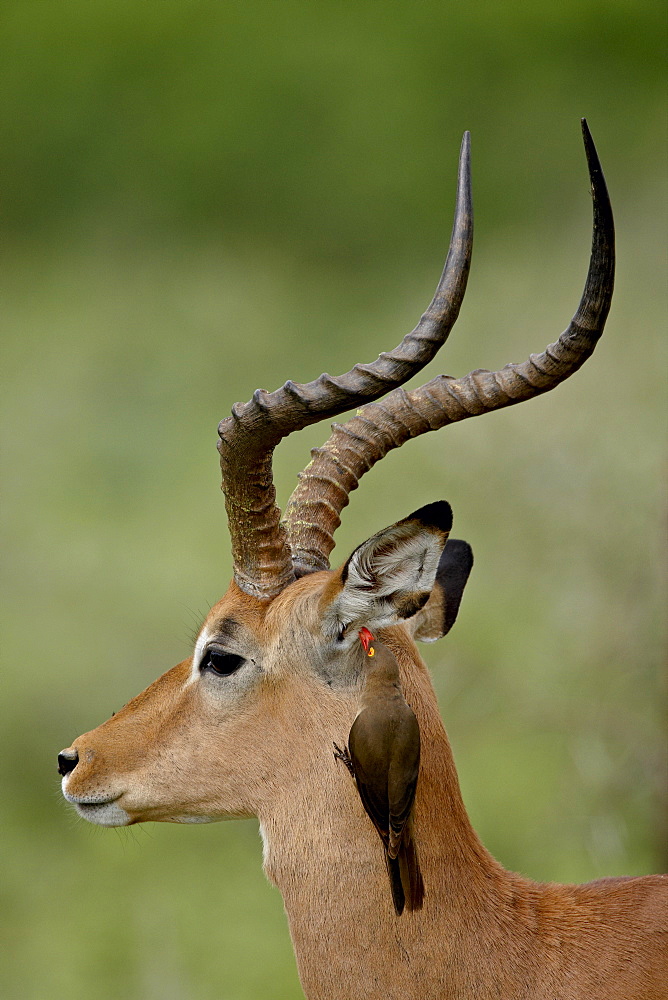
103 813
196 819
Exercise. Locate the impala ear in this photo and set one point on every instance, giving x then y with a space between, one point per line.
438 615
389 578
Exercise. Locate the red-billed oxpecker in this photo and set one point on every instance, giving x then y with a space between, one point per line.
383 755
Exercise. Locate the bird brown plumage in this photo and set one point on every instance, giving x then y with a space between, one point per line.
384 758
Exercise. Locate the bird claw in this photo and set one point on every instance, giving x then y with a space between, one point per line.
344 756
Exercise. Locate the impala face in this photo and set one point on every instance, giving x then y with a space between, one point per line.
214 737
197 744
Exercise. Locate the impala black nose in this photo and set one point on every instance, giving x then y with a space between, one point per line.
67 761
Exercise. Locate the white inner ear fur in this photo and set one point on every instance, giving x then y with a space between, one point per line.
399 558
386 571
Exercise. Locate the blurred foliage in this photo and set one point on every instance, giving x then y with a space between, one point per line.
199 198
321 126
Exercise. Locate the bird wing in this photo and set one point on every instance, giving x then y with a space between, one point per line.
402 778
385 754
376 809
370 763
400 805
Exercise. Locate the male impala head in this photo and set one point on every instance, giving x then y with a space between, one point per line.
246 726
214 736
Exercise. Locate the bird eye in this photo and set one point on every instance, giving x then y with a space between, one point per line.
220 663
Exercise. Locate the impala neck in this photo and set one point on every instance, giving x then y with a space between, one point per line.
323 853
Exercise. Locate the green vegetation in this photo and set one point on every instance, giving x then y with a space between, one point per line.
200 198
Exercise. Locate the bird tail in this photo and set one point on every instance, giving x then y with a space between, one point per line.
405 876
396 885
411 876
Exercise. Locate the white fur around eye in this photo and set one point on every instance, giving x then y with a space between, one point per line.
200 646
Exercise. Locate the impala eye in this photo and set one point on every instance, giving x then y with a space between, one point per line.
220 663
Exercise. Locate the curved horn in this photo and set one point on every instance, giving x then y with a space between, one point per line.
313 510
260 548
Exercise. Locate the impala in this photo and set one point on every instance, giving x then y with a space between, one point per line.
247 725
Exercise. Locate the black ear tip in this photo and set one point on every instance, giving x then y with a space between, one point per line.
434 515
459 552
453 572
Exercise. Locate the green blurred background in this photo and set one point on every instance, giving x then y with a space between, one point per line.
200 198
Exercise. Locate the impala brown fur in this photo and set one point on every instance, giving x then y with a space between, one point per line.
247 725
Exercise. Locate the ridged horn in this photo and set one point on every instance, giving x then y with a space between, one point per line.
312 513
260 546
